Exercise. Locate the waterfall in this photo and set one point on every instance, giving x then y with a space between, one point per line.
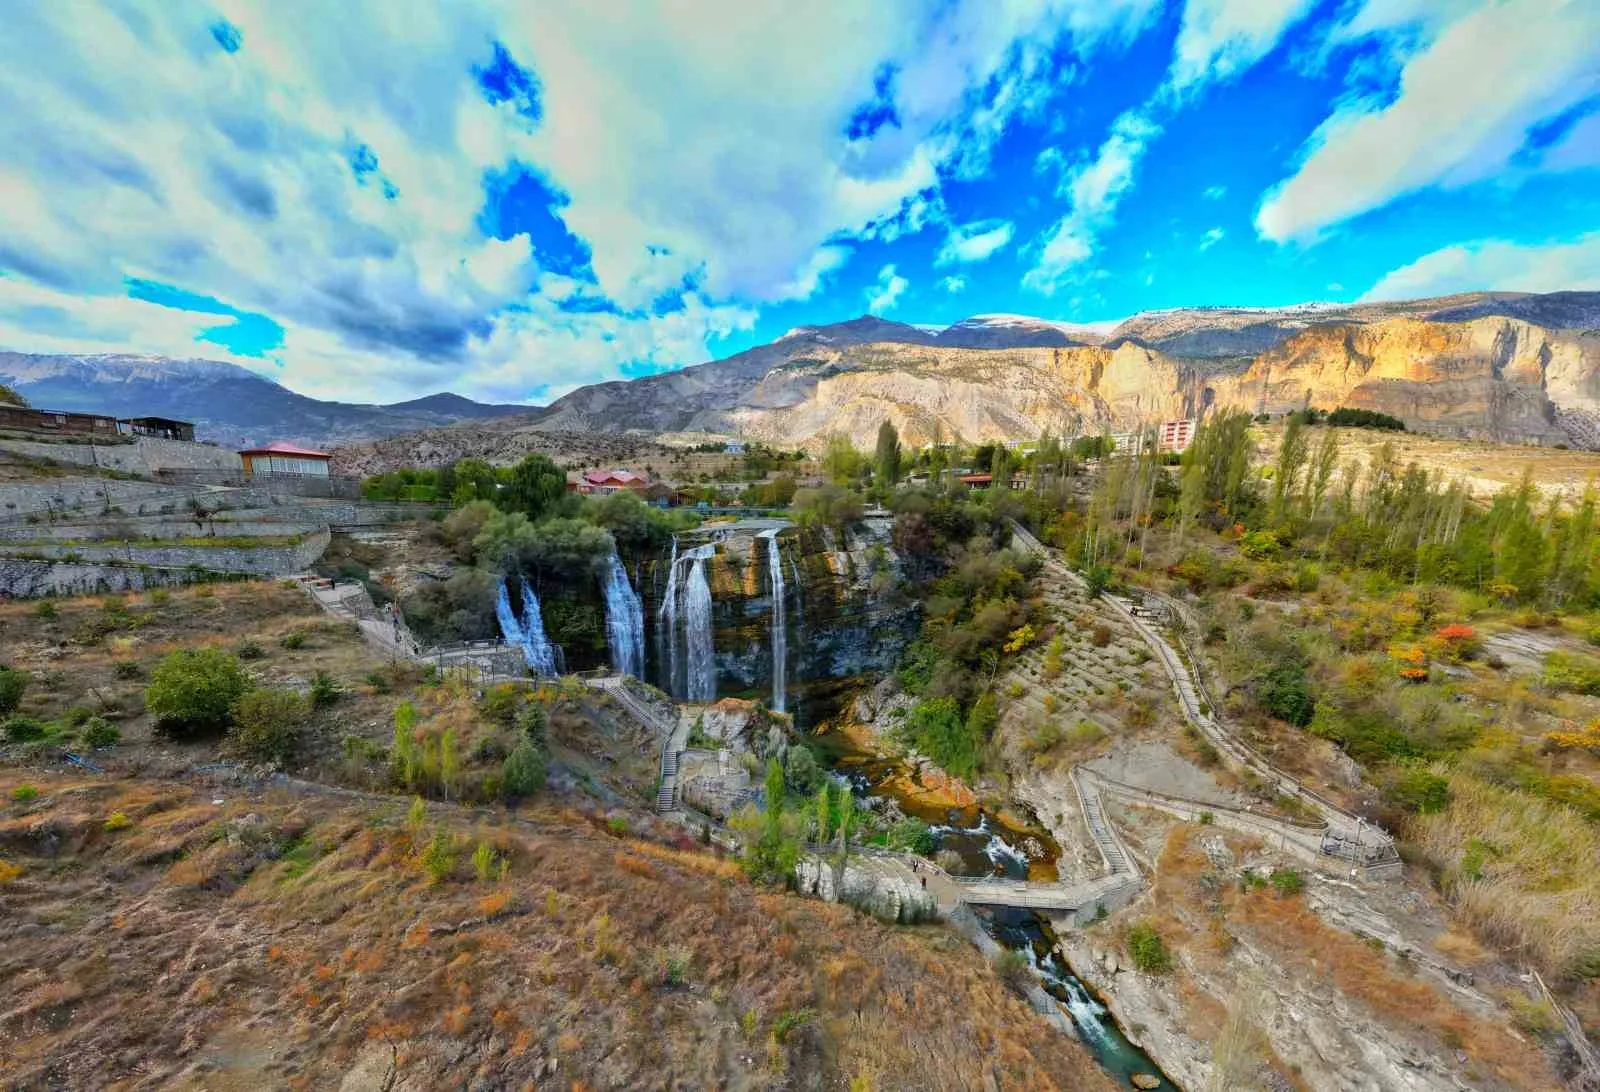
535 645
624 620
667 622
780 632
510 628
701 680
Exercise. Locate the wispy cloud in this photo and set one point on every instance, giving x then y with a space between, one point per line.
1211 238
1441 129
1495 264
974 242
886 292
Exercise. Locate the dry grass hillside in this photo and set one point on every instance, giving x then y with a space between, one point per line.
160 934
1483 467
166 923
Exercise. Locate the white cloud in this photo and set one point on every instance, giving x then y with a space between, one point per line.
1496 265
1221 38
953 284
1093 189
886 293
1215 193
1465 105
136 147
1211 238
974 242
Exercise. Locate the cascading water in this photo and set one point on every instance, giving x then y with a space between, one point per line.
510 628
701 676
624 620
667 623
780 631
535 645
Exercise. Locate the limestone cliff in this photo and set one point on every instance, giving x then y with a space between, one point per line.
1486 366
1491 366
1489 378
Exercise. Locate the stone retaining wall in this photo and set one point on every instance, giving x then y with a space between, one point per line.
145 455
252 560
24 579
134 528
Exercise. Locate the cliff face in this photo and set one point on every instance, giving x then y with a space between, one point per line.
844 618
1490 366
1490 378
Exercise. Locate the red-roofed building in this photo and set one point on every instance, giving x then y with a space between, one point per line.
602 482
286 459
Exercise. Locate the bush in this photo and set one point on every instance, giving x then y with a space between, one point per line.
194 690
1288 881
12 685
1012 967
1420 790
99 732
1579 674
1285 692
249 650
1147 950
20 729
24 794
324 691
126 669
294 641
117 820
1100 636
523 773
912 835
439 857
801 773
266 724
46 611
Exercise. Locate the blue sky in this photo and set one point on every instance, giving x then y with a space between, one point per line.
377 199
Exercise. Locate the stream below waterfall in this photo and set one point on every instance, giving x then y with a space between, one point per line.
994 845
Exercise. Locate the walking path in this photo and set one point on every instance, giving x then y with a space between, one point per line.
1338 833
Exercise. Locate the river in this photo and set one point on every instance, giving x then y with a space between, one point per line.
988 844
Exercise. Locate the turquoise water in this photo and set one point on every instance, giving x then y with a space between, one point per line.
1026 932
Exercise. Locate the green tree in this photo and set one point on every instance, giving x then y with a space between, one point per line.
887 457
535 487
407 760
523 772
194 690
1291 458
841 461
474 480
937 729
449 762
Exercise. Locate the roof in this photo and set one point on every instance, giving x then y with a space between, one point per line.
286 449
595 477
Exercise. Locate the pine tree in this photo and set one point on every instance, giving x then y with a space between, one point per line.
887 457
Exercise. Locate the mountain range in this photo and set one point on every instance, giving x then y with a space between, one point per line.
1503 366
1510 367
227 403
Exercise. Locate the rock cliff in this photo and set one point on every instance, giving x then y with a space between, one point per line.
1489 366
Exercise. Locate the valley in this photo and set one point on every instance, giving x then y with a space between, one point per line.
1193 773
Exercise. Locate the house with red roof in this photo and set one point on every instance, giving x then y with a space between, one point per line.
602 482
286 459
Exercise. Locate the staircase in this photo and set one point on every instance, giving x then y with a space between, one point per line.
1094 817
666 795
